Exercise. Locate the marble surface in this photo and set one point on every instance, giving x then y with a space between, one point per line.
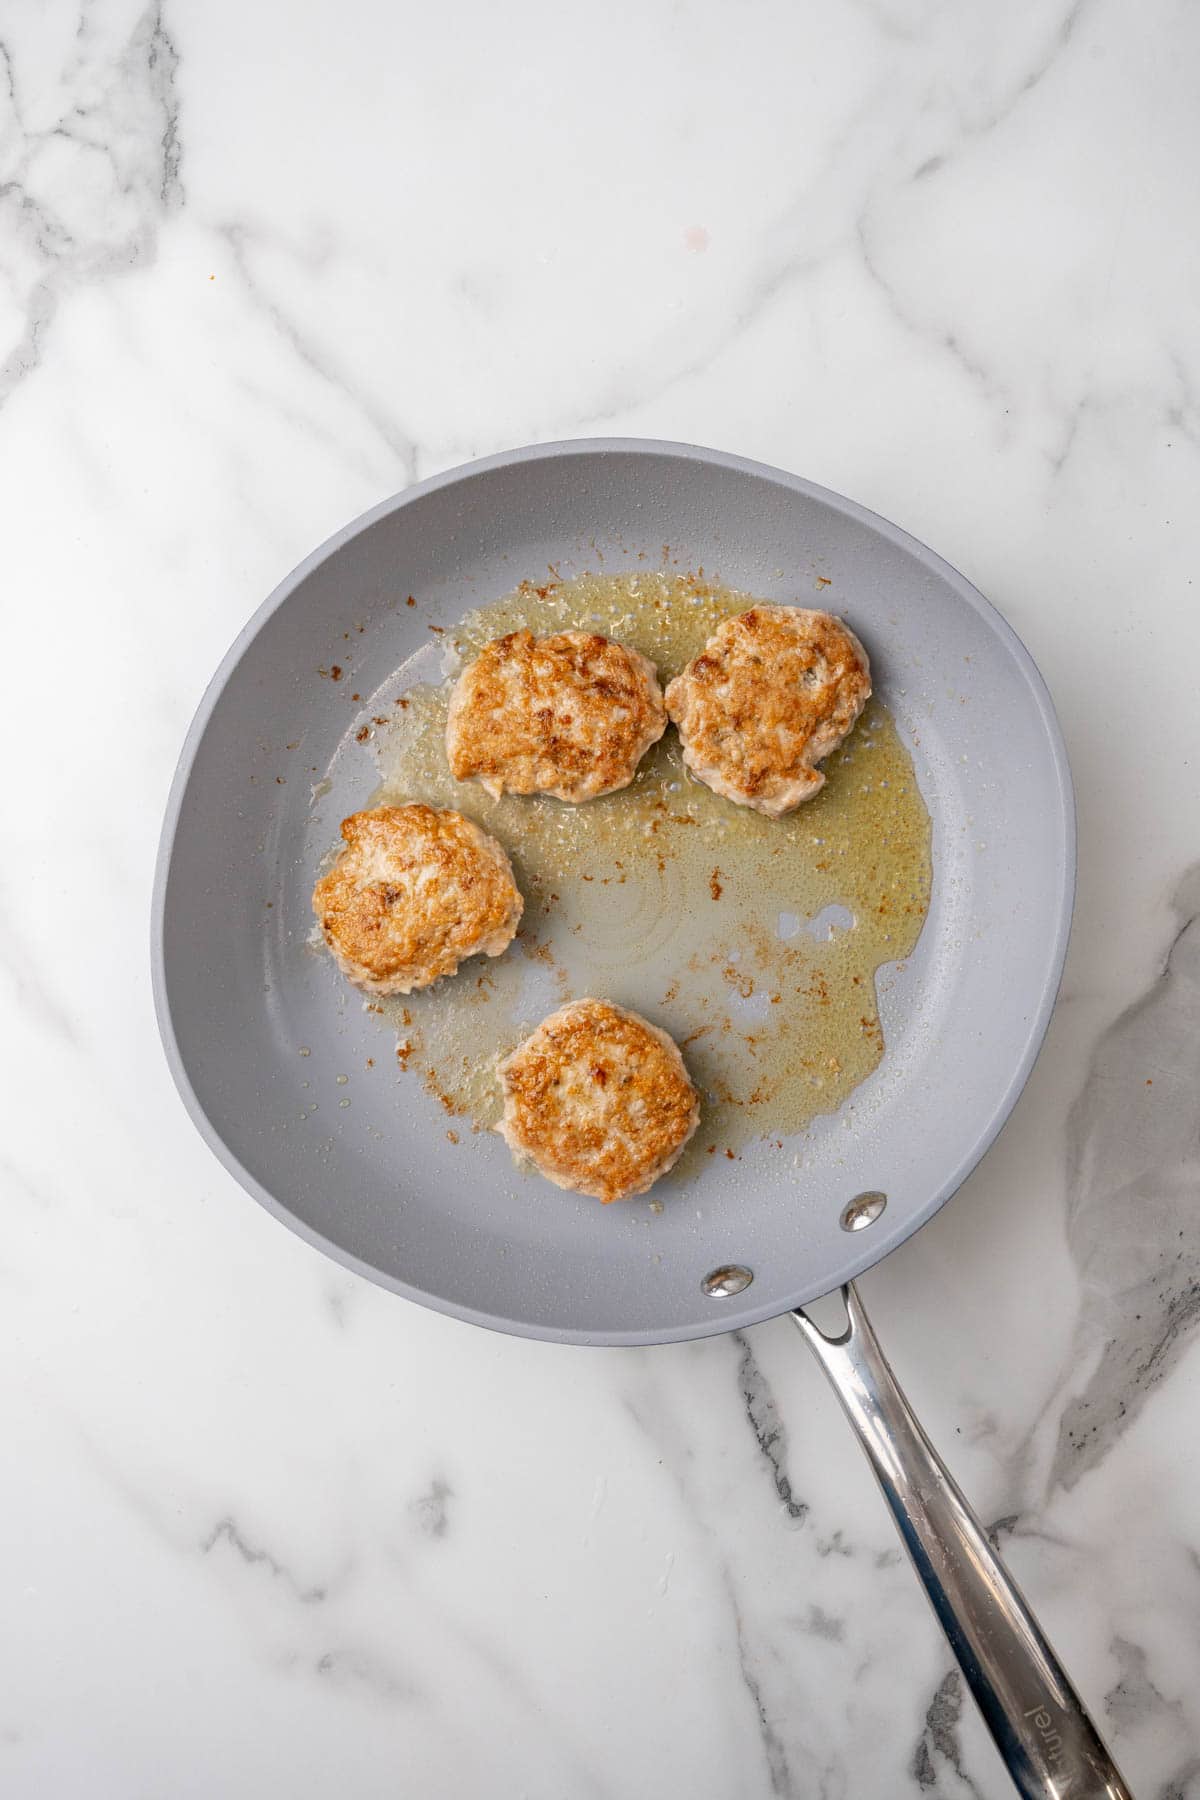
267 1529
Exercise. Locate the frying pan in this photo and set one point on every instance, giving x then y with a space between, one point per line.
240 996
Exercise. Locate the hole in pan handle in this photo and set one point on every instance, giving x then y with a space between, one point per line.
1039 1723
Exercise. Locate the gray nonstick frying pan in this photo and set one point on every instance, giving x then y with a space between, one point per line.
253 1021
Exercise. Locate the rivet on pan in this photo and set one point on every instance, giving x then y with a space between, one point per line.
730 1278
862 1211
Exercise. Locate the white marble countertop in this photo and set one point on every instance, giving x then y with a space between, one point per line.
267 1529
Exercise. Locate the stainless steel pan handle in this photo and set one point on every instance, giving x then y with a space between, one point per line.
1041 1728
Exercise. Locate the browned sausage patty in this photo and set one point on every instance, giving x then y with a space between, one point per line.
570 715
599 1100
774 690
413 893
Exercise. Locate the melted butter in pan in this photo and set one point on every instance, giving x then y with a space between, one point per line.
755 942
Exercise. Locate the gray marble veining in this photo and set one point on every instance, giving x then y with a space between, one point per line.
1133 1201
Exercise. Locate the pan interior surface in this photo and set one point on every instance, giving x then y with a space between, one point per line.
259 1028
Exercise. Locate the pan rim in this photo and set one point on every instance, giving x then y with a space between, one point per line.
867 1255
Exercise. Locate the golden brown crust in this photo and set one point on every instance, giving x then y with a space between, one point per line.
413 893
599 1100
570 715
774 690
